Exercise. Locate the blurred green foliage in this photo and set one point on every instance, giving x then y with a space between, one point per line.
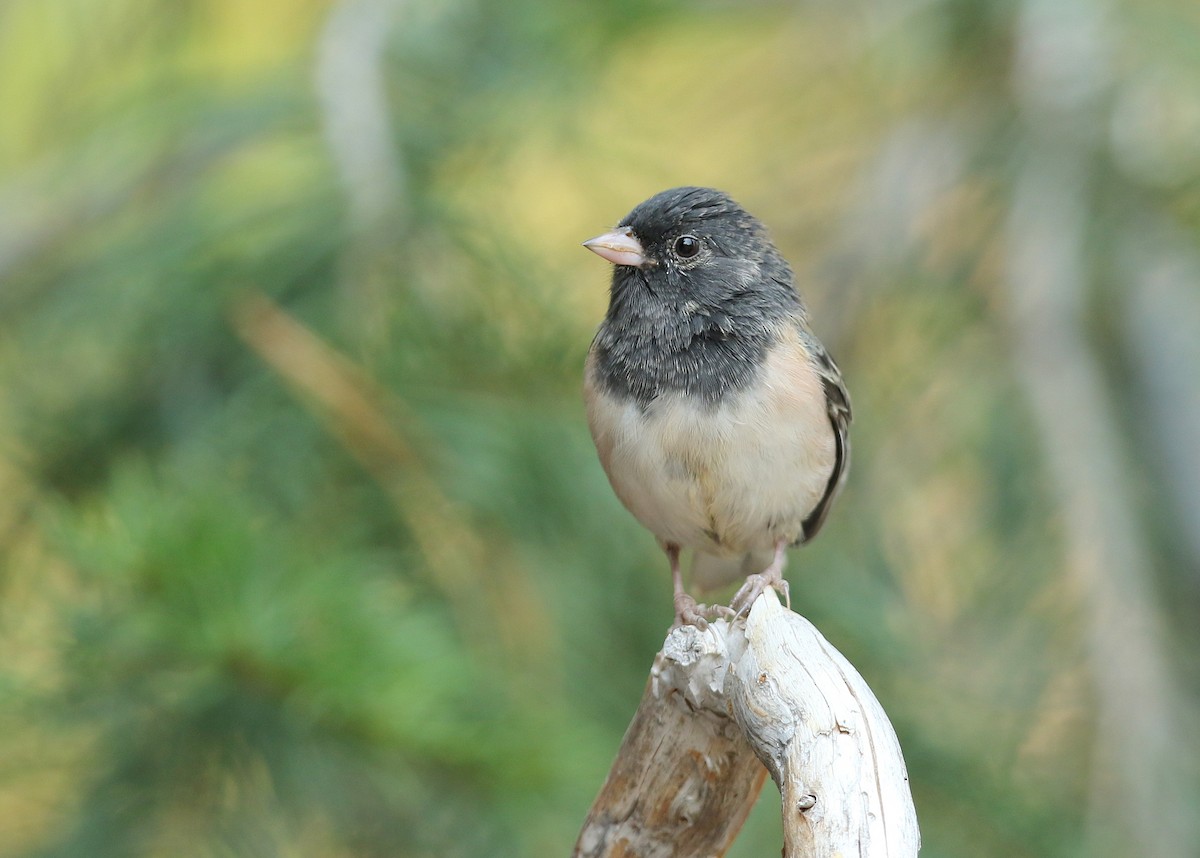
304 549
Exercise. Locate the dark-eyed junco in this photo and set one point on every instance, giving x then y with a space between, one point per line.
720 419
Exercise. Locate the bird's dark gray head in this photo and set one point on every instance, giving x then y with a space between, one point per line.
698 290
688 245
722 229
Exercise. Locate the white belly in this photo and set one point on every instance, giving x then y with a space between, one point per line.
727 479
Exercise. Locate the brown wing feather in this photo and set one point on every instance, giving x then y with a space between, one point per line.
837 404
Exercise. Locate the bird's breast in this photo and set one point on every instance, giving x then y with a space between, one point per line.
728 477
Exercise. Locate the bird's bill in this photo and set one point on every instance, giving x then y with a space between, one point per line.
619 247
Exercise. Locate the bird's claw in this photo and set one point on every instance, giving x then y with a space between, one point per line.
688 612
749 592
720 612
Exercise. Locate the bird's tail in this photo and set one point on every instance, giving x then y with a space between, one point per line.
710 572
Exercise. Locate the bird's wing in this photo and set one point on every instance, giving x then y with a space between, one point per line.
837 405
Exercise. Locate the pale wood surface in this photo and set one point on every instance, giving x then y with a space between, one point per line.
825 738
685 777
768 688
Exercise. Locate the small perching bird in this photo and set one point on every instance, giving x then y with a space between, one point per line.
719 417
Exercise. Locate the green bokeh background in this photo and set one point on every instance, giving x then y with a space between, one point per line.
304 548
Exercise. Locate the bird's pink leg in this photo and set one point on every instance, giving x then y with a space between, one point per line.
687 612
771 577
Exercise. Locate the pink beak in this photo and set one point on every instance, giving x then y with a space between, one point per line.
619 247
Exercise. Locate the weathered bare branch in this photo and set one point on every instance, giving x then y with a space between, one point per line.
773 689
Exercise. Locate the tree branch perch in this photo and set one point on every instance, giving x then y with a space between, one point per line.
722 703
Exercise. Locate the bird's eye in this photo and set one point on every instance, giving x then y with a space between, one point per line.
687 246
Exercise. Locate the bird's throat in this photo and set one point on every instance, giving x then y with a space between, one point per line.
697 357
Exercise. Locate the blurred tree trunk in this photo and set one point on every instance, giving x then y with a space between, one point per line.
1062 71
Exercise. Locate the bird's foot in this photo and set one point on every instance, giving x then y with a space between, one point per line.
749 592
689 612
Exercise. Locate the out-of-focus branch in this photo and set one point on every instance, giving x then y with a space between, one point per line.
719 701
364 419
